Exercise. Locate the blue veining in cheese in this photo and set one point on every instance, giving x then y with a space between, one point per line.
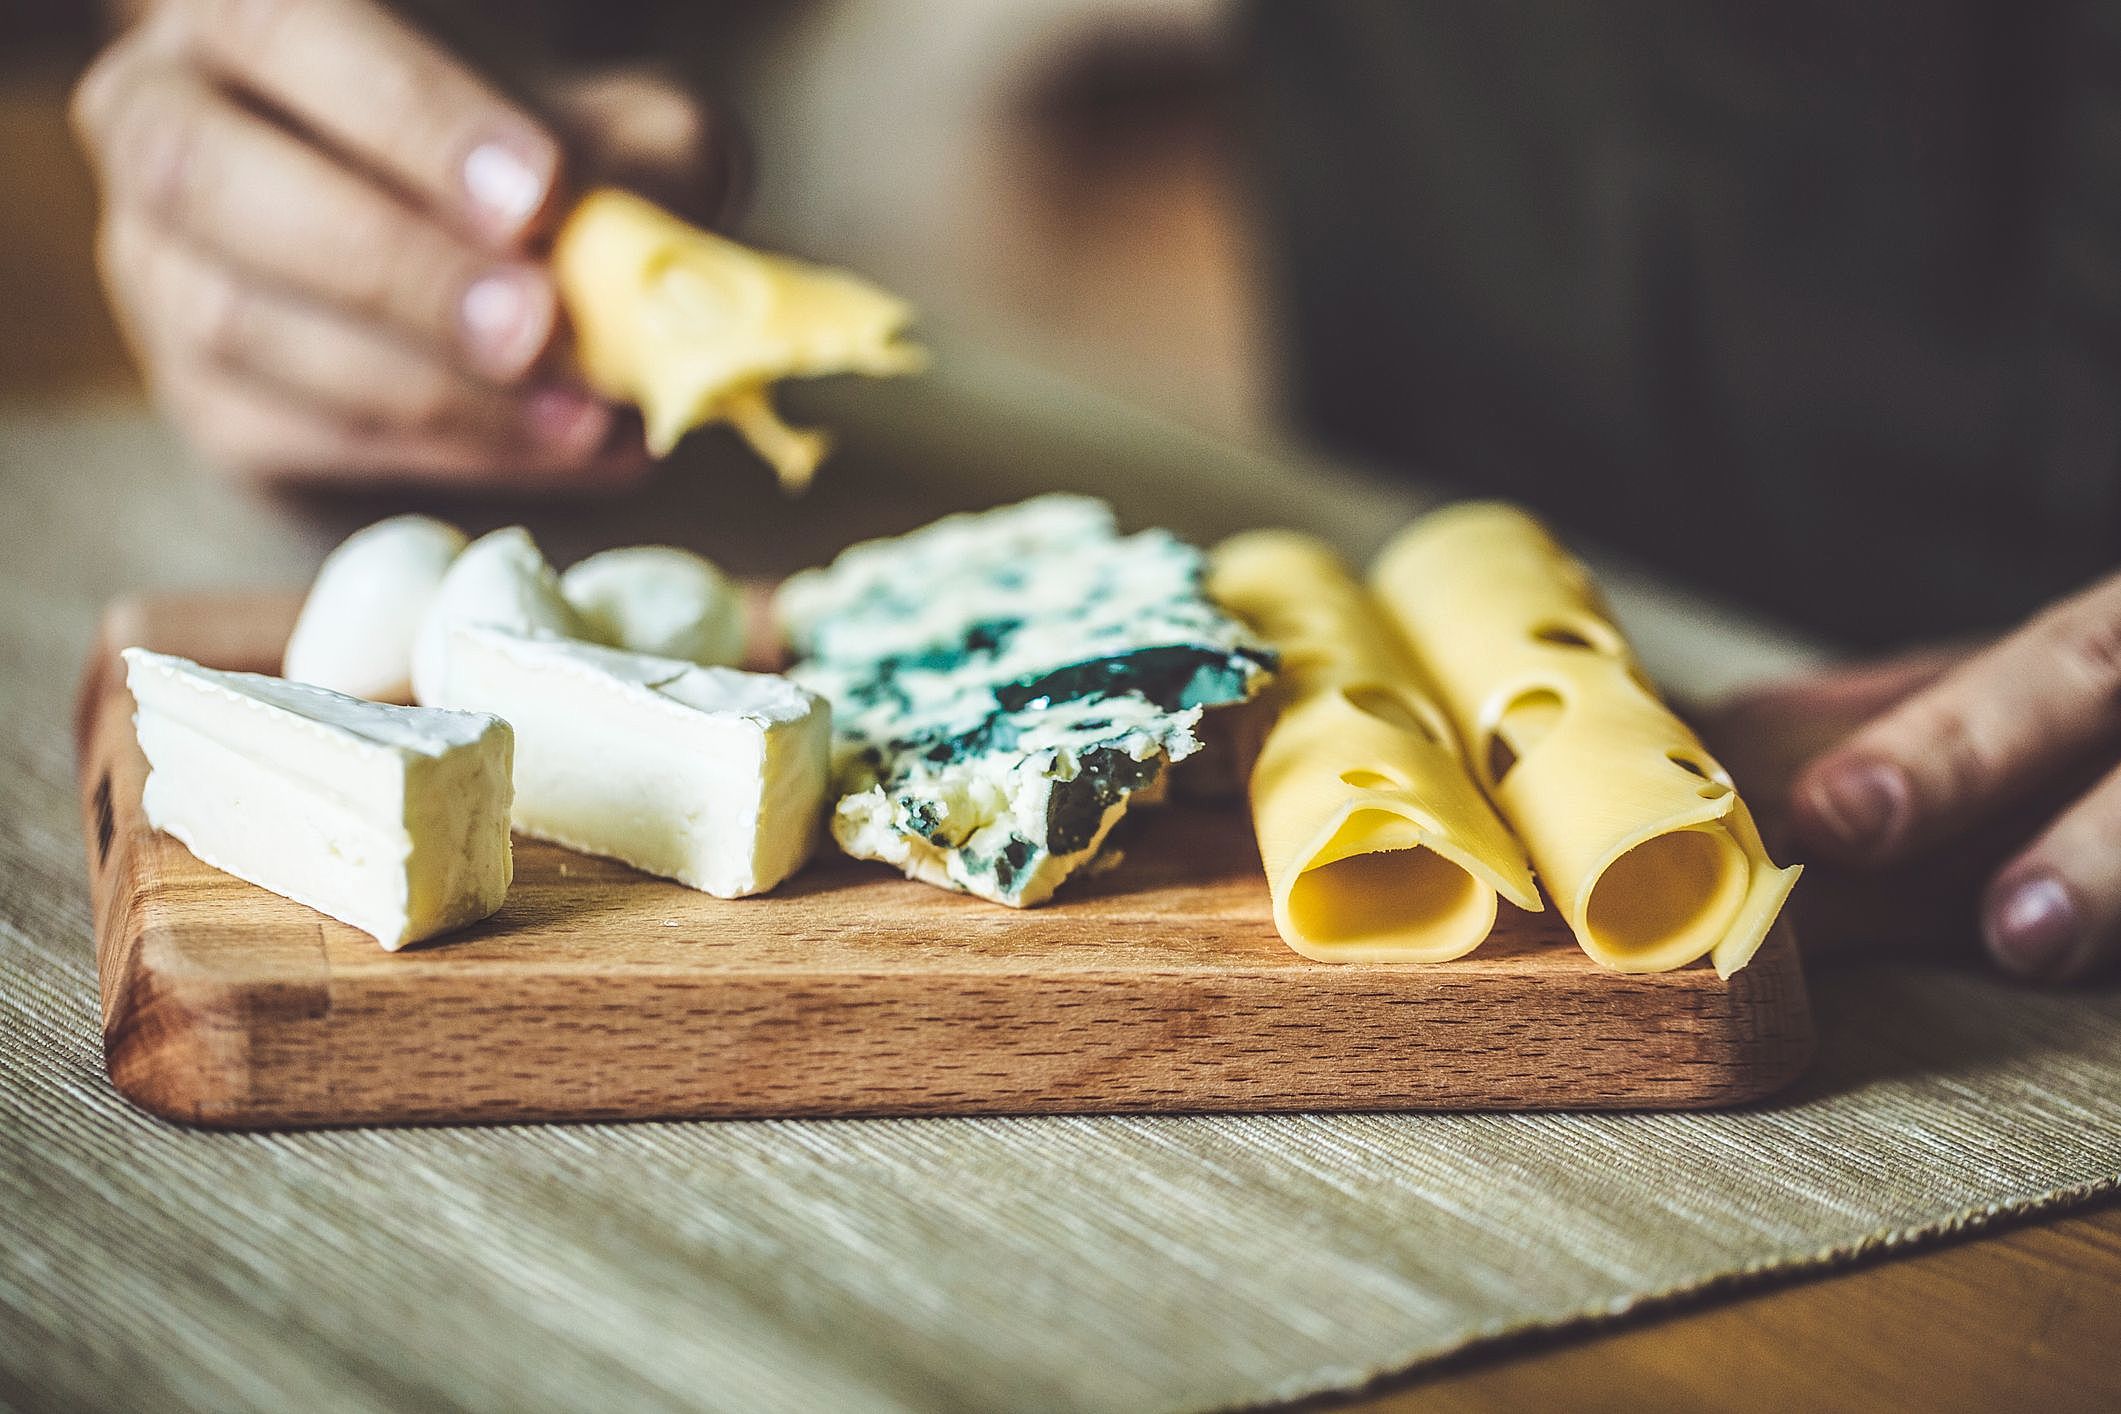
1005 684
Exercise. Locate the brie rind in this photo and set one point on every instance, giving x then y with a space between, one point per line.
709 776
392 819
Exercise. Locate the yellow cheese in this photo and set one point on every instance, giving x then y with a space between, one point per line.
1377 844
697 329
1634 828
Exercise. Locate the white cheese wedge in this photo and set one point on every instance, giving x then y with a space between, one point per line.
393 819
357 626
504 580
659 599
710 776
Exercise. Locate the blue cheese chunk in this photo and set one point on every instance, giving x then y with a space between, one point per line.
1005 685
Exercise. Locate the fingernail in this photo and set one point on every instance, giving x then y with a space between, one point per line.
567 419
505 182
2032 928
1865 806
504 327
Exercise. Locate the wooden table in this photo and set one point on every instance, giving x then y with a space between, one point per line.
2025 1317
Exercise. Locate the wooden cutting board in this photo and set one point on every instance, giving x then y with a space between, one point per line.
600 993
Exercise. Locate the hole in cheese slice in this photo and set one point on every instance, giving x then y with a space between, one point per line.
1392 705
1525 721
1579 635
1370 780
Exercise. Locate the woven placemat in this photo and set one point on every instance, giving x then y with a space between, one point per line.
1123 1263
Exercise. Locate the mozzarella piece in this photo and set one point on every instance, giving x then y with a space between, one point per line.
710 776
356 630
661 600
393 819
1634 828
502 579
1377 844
696 329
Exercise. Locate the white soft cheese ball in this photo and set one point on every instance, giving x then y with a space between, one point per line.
659 599
357 627
501 581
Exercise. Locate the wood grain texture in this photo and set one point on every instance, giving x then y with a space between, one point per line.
598 993
2024 1320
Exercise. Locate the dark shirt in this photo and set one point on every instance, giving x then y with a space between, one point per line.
1818 304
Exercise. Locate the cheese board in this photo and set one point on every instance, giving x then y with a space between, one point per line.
596 993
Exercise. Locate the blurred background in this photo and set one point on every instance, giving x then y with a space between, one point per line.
1061 186
1057 185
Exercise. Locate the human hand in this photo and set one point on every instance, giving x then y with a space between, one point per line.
1765 739
1989 783
320 233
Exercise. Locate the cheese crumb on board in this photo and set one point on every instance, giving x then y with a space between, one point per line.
392 819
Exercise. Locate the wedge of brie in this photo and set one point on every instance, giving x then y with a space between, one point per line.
709 776
393 819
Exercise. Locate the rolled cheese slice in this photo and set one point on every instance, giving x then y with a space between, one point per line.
659 599
502 580
357 627
1634 828
696 329
1377 844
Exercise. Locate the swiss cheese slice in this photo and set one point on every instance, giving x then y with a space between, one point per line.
696 329
1634 828
1378 846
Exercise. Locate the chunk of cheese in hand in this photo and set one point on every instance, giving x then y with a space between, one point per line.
696 329
393 819
1378 845
357 627
1635 830
709 776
